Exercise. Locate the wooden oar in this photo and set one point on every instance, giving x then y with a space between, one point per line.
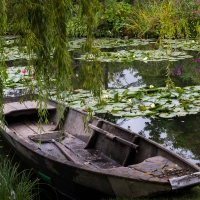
52 137
112 137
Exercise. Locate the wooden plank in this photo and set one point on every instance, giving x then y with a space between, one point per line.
51 149
18 105
26 105
44 127
21 129
33 104
29 128
8 108
24 138
112 137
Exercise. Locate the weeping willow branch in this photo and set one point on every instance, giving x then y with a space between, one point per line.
3 23
41 27
169 83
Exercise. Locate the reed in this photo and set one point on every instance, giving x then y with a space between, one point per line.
15 185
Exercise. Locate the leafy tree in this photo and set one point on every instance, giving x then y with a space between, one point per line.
42 33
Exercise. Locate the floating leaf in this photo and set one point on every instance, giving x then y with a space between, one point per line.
168 115
142 108
116 97
125 92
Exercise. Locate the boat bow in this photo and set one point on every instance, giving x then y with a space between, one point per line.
185 181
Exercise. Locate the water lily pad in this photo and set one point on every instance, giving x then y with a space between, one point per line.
100 111
135 114
168 115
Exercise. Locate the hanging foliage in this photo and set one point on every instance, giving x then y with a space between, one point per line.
40 27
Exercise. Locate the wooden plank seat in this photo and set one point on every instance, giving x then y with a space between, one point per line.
27 107
159 167
112 137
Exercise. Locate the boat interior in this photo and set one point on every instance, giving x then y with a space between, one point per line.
99 144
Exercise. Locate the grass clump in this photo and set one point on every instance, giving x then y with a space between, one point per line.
14 184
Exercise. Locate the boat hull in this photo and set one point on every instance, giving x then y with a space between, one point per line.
68 178
108 161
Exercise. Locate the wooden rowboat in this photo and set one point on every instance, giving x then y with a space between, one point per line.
95 157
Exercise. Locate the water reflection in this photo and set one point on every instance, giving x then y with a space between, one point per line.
125 79
185 72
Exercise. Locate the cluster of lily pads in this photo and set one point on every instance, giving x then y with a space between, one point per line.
172 50
141 55
139 101
131 102
110 43
17 78
190 45
12 53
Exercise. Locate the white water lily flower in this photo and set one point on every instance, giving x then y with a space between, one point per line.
91 56
105 96
153 105
130 100
145 58
151 86
193 41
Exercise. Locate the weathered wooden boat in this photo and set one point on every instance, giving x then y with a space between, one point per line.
93 157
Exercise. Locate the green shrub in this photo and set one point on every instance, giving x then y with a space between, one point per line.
139 18
165 18
76 27
113 22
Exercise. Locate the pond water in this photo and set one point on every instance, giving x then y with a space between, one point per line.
180 134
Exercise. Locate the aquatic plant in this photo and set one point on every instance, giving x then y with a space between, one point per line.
139 101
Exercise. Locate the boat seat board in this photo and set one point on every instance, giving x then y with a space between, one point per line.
23 131
27 128
158 166
25 107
